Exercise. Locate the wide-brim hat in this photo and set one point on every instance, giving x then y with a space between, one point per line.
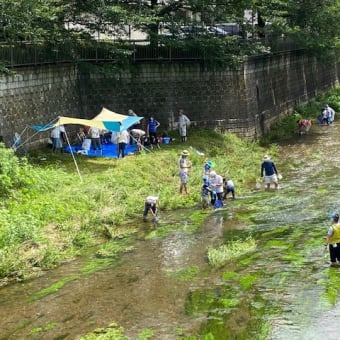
266 158
185 153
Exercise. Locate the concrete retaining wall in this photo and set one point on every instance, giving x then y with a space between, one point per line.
246 101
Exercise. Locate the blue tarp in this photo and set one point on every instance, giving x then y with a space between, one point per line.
42 127
109 150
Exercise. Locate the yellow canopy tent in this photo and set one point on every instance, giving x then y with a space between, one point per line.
105 120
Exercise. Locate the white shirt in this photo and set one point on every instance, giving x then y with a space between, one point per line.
217 183
137 133
331 113
55 133
123 137
94 132
183 120
229 183
151 200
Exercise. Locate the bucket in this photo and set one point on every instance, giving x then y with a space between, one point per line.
218 204
166 140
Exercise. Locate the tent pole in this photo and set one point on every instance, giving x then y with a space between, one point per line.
29 138
74 159
14 143
141 145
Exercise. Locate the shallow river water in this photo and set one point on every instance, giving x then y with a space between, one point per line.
165 287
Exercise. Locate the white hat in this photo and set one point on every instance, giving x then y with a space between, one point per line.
266 158
212 173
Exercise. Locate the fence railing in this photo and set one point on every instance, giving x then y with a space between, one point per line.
27 54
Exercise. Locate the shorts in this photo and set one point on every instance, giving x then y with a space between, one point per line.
183 130
270 179
183 176
230 189
334 252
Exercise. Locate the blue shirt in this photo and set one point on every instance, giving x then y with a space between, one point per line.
268 167
153 125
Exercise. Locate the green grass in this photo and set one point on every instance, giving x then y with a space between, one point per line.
54 214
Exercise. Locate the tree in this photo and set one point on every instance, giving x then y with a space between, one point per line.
314 25
311 24
30 20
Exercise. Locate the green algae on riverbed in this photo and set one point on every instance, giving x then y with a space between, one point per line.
46 328
184 274
53 288
112 249
218 257
113 331
331 284
188 223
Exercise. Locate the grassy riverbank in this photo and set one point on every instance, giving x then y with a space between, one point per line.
50 214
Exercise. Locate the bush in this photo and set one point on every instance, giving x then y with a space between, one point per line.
14 172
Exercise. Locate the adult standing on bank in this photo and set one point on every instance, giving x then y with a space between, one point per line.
183 123
94 134
268 169
184 166
151 131
333 240
123 139
57 135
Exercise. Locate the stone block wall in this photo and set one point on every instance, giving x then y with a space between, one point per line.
36 96
246 101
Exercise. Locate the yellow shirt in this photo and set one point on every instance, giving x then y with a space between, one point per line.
335 238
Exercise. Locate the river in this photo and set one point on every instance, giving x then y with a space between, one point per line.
165 286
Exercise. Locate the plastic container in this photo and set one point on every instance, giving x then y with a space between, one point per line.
166 140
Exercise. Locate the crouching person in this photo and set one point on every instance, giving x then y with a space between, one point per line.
304 126
151 205
229 187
